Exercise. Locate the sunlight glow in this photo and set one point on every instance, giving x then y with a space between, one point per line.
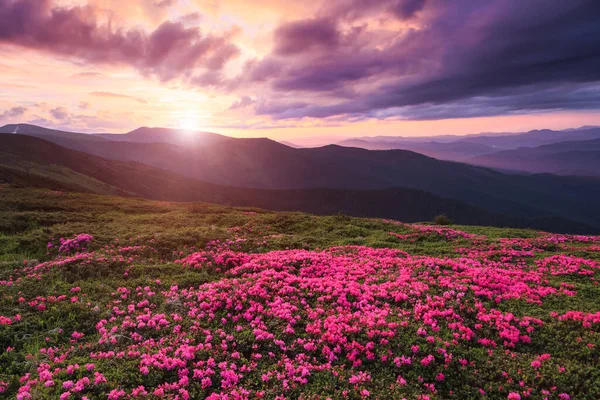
188 124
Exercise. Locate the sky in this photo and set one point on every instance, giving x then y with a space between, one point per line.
301 68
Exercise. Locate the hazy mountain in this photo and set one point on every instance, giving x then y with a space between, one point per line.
167 135
536 138
139 135
30 161
443 147
564 158
463 148
394 142
54 134
451 151
290 144
263 163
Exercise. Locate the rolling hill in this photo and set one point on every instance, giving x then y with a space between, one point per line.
29 161
564 158
536 138
139 135
266 164
465 148
451 151
166 135
48 134
110 284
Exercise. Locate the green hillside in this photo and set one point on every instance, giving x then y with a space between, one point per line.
32 162
161 299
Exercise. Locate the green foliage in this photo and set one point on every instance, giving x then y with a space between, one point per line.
30 218
442 219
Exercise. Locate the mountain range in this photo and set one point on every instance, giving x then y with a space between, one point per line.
168 164
492 150
563 158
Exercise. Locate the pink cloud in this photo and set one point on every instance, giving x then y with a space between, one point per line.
170 51
439 65
13 112
303 35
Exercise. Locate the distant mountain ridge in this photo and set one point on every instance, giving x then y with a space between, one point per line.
563 158
39 131
468 137
290 144
166 135
266 164
465 148
537 137
30 161
140 135
450 151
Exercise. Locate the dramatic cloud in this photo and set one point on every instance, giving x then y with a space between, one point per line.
13 112
305 64
118 96
63 119
171 50
301 36
406 9
356 9
517 102
59 113
242 103
458 51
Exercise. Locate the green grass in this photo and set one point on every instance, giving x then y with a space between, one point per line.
29 218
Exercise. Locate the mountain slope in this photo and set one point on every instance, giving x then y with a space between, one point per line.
290 144
130 178
565 158
463 148
49 134
536 138
451 151
139 135
263 163
166 135
510 194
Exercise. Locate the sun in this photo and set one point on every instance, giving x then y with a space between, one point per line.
188 121
188 124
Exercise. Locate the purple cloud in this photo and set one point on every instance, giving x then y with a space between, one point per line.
245 101
306 35
59 113
354 9
461 55
170 51
405 9
13 112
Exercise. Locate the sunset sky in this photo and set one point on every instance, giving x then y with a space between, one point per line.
298 68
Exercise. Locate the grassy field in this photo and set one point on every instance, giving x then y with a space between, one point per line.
107 297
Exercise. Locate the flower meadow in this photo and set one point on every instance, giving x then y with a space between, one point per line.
425 312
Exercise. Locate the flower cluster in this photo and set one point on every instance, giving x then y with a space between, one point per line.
350 322
417 231
76 244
